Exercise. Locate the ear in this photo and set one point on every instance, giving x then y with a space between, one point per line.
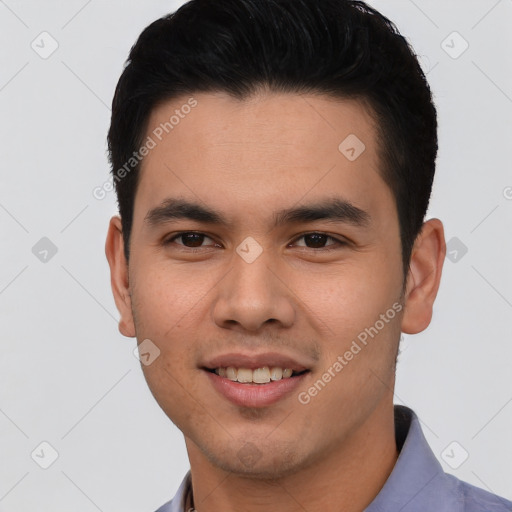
424 276
119 276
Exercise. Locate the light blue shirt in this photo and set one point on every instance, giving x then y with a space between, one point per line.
416 484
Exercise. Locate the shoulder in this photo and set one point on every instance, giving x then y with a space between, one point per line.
474 499
166 507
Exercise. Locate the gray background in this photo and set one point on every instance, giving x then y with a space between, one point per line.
68 378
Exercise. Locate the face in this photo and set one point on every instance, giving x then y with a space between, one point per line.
258 241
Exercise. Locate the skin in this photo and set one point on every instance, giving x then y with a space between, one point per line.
249 159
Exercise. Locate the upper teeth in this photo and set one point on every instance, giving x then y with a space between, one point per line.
259 376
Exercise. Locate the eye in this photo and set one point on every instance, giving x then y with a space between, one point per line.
190 239
318 240
193 241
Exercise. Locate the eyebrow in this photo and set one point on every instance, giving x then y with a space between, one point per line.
333 210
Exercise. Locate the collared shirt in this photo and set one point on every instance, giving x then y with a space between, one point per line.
416 484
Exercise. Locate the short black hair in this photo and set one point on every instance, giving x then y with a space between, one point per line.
341 48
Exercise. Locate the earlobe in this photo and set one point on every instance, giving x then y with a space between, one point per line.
119 276
424 277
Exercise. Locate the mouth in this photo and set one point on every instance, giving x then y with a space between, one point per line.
260 376
255 380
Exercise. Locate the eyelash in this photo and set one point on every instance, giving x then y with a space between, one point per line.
338 243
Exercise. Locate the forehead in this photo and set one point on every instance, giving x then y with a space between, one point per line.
260 150
285 125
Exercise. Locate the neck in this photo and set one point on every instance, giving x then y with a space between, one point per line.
348 478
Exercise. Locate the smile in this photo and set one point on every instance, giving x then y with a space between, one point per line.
249 393
261 375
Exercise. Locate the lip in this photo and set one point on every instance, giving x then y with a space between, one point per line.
253 361
254 395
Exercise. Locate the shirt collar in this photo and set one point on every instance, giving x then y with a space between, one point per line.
178 503
417 482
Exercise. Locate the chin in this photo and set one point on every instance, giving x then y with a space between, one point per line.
255 461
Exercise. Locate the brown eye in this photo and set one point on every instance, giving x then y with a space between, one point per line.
319 241
316 239
189 239
192 239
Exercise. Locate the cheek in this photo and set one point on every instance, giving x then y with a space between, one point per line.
349 322
167 299
349 298
167 306
172 389
360 315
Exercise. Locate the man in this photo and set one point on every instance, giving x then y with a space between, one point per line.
273 162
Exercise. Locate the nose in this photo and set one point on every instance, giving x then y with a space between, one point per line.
253 296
